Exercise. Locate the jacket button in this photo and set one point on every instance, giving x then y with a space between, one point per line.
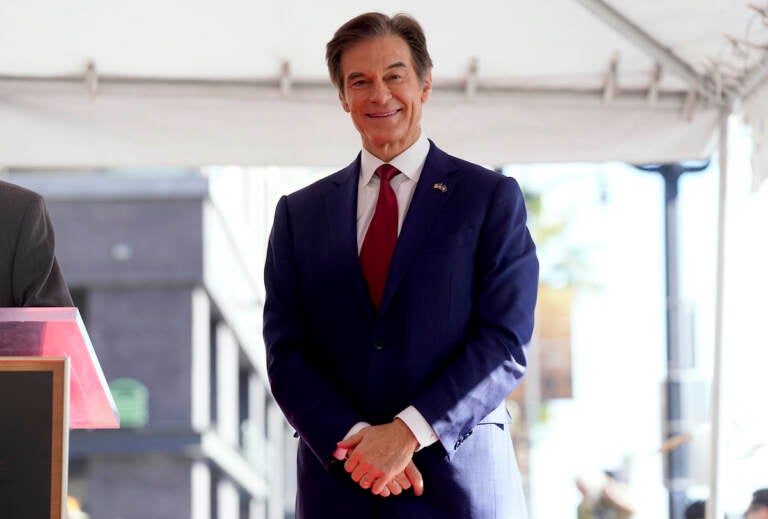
378 345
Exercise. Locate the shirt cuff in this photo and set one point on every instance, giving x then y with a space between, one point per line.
419 426
340 453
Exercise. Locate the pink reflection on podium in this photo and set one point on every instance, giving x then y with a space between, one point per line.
59 332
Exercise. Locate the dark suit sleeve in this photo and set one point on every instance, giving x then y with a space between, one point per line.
493 359
37 278
311 402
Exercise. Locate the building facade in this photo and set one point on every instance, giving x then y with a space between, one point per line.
170 289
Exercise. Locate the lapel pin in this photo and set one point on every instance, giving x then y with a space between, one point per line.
440 187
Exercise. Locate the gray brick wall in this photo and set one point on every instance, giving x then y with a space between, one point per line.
145 333
148 487
161 241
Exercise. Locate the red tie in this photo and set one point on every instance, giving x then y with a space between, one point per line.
380 239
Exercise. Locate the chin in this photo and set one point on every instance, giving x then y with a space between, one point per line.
385 140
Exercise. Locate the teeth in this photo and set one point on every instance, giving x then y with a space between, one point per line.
384 115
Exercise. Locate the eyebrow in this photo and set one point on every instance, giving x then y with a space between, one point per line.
397 64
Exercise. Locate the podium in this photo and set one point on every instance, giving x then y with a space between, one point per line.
50 382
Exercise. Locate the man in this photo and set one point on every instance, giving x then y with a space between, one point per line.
29 273
696 510
604 496
758 508
400 298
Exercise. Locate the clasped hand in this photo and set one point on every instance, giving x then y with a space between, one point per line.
381 458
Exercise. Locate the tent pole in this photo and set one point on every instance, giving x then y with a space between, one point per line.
714 508
677 460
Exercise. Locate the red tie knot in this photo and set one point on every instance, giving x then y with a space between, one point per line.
386 172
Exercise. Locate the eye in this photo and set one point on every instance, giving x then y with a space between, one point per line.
357 83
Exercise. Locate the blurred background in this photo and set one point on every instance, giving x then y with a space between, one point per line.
163 134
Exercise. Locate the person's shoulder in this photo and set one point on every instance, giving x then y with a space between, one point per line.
480 175
15 197
15 191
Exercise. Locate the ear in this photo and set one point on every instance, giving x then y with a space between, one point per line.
343 101
426 88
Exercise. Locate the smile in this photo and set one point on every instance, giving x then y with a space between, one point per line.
383 114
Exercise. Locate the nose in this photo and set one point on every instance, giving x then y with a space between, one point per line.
380 93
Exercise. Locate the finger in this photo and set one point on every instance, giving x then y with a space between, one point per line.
380 484
352 463
350 442
340 454
403 481
394 487
414 476
358 474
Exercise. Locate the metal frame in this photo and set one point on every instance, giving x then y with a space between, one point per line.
655 50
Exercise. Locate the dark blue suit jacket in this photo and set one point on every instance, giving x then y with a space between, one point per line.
450 337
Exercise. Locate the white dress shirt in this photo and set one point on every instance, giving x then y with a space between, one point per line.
410 163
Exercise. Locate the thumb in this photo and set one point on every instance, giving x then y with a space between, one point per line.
414 476
351 442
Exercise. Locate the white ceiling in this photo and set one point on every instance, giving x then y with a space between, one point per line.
199 82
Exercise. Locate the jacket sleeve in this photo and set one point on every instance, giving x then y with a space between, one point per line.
313 404
37 278
492 361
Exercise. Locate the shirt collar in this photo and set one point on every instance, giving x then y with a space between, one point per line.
410 162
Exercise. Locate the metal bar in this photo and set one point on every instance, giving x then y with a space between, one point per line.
299 86
677 458
714 508
653 48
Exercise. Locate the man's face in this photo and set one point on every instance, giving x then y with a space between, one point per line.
383 94
761 513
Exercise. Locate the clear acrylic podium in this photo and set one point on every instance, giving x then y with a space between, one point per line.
50 381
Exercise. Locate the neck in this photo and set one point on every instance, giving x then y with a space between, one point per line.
390 150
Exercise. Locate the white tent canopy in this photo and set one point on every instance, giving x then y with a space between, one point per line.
91 83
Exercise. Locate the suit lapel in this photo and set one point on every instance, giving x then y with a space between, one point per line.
434 189
341 208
